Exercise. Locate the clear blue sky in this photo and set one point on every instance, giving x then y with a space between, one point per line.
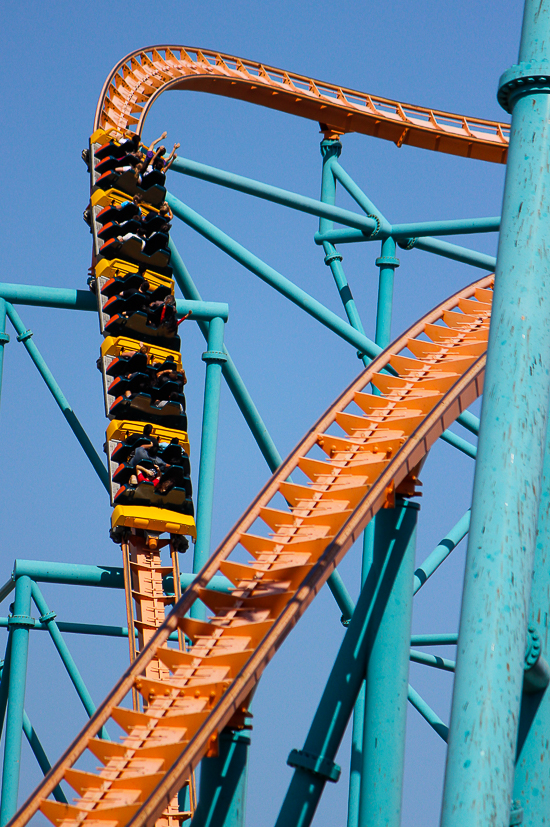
56 57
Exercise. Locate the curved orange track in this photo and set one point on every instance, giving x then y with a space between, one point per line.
140 77
440 363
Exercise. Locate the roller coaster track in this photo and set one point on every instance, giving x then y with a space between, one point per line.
139 78
425 379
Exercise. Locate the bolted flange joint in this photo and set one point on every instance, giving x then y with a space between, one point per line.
330 257
516 814
24 336
4 338
330 148
387 261
315 764
407 243
49 616
21 621
523 79
214 356
536 674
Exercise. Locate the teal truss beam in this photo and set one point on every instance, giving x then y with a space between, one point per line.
24 336
272 277
274 194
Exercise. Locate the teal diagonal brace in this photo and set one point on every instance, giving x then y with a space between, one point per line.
251 414
278 196
48 618
283 285
24 335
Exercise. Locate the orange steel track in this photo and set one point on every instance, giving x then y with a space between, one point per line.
139 78
382 441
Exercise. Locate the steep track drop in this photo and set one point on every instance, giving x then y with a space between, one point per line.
426 378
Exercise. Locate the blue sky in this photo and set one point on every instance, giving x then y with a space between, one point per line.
56 58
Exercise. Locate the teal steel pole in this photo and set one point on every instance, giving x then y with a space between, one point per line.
48 619
275 194
387 262
441 551
532 776
214 358
34 741
20 623
387 676
314 764
268 274
24 336
5 682
4 337
222 788
356 759
507 483
331 150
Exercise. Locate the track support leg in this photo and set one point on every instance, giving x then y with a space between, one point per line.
387 680
19 632
507 485
222 791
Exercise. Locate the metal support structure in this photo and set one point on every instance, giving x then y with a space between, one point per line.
272 277
214 358
24 335
507 485
387 676
314 765
20 623
331 150
222 789
48 619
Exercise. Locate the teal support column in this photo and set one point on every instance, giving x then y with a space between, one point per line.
532 777
330 150
214 358
20 623
4 338
387 262
356 760
507 484
5 682
24 335
387 677
222 788
314 764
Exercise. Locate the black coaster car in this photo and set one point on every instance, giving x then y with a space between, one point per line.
140 408
123 366
145 494
146 227
111 162
116 150
153 255
115 285
151 188
136 326
137 301
118 214
173 454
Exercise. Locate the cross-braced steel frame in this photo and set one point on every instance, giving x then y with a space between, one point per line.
498 764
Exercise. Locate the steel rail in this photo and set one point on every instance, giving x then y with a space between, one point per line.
457 390
139 78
